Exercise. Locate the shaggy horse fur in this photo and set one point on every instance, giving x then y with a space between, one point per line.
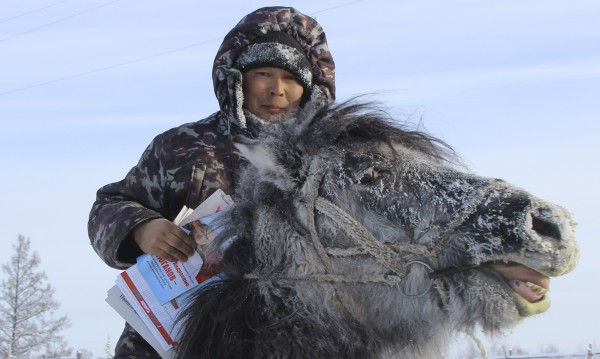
359 239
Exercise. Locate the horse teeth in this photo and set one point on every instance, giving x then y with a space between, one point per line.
537 289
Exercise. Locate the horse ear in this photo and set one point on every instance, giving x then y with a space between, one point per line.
262 157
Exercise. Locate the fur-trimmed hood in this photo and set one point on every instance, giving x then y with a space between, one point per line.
227 80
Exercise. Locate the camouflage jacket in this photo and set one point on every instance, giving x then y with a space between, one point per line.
184 165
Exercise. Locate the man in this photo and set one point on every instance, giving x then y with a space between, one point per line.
274 61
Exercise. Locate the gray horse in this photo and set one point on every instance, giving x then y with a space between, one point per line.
360 239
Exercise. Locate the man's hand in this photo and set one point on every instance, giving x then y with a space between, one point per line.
162 238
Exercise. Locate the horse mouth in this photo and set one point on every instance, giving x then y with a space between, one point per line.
527 286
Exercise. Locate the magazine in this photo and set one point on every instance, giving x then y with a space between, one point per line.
150 294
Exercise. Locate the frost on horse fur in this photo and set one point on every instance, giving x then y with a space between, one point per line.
359 239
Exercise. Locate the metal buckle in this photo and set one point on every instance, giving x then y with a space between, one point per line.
422 291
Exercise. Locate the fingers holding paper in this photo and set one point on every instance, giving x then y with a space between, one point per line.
162 238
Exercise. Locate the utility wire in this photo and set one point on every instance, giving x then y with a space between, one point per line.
59 20
141 58
336 7
31 12
109 67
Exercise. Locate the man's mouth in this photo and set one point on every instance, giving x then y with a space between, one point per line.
274 109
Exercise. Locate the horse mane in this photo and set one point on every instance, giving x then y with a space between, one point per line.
356 120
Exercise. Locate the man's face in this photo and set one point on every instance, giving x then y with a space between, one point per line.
271 93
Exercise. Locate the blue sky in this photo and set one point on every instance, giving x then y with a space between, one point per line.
513 86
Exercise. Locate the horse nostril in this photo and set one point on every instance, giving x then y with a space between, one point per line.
543 227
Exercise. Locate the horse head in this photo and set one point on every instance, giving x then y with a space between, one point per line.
361 239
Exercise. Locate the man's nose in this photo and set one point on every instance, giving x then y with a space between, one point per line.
277 87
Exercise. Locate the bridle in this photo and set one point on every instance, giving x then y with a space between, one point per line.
387 255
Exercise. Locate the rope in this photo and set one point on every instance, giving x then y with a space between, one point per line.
310 191
479 344
390 280
463 215
384 255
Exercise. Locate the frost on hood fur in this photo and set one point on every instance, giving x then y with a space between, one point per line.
227 80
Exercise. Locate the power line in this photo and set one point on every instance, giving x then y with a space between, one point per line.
59 20
31 12
336 7
140 58
109 67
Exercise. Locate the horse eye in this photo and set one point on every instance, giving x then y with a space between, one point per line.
370 176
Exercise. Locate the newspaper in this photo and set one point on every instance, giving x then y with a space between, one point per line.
116 299
151 294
